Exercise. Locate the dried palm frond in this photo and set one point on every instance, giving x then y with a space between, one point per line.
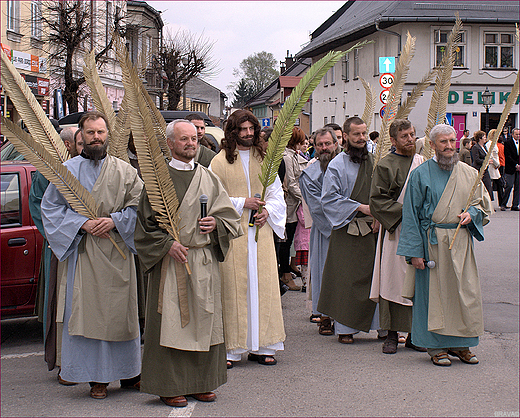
415 95
369 102
437 111
291 109
77 196
153 166
494 139
394 98
159 124
31 112
122 129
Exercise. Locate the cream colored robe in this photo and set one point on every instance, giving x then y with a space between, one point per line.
234 269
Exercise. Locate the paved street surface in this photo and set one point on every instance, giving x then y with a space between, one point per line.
315 375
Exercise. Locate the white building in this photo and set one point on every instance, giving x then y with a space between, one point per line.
487 57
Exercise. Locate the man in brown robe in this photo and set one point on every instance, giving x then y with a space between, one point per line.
184 351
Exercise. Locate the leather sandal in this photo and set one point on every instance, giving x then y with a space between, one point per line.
346 338
326 327
204 397
230 364
262 359
315 318
390 344
99 391
441 359
465 356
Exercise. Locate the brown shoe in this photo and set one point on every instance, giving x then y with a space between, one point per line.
99 391
326 327
346 338
290 282
65 382
204 397
390 344
176 401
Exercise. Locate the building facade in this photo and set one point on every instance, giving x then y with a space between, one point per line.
202 95
487 56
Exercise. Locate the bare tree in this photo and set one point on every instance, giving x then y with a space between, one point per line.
184 56
70 31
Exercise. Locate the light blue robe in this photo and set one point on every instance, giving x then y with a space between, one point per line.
85 359
311 182
425 187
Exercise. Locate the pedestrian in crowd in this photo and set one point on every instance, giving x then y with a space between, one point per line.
338 131
494 170
447 303
312 145
97 296
373 137
311 181
252 305
386 203
501 169
465 135
184 350
67 136
347 274
465 151
511 169
294 164
478 154
78 142
207 152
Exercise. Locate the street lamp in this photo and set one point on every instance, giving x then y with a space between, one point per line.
487 99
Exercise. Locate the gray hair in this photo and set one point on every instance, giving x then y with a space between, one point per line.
441 129
67 134
171 126
325 131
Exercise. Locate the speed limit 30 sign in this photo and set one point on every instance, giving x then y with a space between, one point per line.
386 80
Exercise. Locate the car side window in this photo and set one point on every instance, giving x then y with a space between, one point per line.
10 198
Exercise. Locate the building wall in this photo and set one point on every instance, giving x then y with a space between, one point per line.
340 99
199 89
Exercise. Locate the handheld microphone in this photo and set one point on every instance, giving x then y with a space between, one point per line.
203 199
430 264
253 212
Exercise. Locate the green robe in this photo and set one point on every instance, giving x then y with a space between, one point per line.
184 360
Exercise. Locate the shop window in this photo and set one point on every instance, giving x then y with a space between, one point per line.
498 50
441 39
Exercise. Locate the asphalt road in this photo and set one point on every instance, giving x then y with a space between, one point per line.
315 375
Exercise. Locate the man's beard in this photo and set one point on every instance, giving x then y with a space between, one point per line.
246 141
447 163
357 154
325 158
405 151
96 152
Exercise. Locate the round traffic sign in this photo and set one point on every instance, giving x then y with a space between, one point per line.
383 96
386 80
382 112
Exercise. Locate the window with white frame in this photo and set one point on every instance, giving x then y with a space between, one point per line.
441 40
325 79
36 19
356 63
499 49
13 15
332 76
344 68
325 120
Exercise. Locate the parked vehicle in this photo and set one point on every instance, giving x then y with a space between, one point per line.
21 243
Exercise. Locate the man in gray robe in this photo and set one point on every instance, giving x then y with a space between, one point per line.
311 181
347 274
97 292
184 350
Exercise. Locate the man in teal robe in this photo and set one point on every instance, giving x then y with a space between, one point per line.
447 303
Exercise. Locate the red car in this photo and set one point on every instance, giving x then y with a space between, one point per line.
21 241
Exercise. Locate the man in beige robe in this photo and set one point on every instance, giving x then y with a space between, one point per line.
184 352
447 304
386 202
97 289
252 306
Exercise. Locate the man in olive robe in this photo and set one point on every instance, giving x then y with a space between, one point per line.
347 274
386 202
447 303
97 290
184 351
253 321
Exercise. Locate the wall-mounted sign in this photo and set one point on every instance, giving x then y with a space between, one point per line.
386 80
387 64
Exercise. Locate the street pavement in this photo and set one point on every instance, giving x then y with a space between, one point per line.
315 375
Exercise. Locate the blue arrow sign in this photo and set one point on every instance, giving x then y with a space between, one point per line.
387 64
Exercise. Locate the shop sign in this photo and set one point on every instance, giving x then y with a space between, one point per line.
7 50
43 86
468 97
21 60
